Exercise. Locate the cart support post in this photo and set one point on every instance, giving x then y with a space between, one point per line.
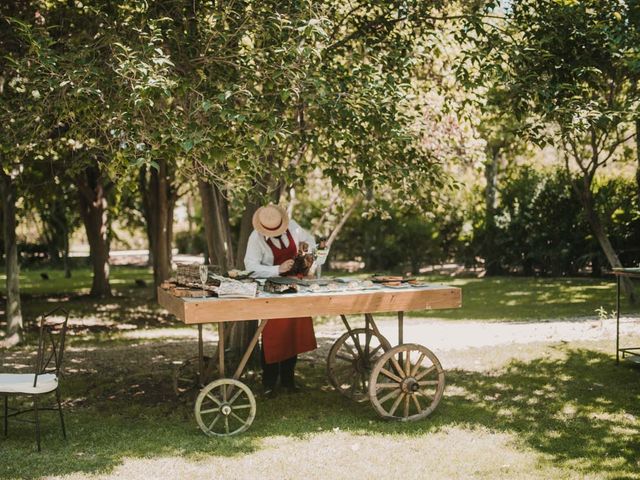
401 333
221 349
250 347
373 325
356 341
367 333
200 356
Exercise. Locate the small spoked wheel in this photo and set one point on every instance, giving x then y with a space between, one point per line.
225 407
186 377
351 359
406 383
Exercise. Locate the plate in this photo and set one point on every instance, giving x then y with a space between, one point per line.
386 278
239 274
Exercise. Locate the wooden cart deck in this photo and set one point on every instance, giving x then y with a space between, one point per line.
213 310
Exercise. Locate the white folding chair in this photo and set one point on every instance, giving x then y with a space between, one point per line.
47 372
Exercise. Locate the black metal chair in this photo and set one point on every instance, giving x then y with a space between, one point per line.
45 379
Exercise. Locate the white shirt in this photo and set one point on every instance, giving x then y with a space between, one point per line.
259 257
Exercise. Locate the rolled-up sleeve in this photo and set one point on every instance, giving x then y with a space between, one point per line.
302 235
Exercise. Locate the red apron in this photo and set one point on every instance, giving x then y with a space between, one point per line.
283 338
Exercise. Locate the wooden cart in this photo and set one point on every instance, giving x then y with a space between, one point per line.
405 382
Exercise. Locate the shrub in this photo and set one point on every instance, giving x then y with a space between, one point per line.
540 227
190 243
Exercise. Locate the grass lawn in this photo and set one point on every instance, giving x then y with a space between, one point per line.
542 410
527 298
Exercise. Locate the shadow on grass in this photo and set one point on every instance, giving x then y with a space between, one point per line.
127 310
581 411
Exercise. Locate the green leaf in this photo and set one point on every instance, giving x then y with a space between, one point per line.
187 145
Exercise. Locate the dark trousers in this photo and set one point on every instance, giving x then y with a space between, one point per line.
271 371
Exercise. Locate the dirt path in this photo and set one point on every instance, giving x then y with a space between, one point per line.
455 335
444 335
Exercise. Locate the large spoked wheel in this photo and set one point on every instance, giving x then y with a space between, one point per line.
406 383
351 359
186 377
225 407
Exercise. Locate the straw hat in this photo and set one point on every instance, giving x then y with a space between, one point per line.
271 220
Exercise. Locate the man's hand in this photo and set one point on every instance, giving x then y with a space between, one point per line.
285 266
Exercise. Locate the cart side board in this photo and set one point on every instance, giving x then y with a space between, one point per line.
212 310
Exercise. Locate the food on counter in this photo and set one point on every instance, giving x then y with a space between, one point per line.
386 278
281 285
271 287
395 280
237 289
188 292
302 261
337 284
238 274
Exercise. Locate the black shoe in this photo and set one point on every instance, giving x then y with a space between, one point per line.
270 393
292 388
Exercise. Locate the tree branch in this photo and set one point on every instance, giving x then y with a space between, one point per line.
576 155
614 146
343 220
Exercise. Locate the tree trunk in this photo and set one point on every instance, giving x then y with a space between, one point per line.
93 210
588 203
246 227
213 237
13 309
65 255
638 159
173 197
251 204
216 225
189 205
225 222
240 333
150 228
491 262
158 201
215 212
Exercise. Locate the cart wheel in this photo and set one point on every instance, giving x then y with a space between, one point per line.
406 383
225 407
186 377
351 359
